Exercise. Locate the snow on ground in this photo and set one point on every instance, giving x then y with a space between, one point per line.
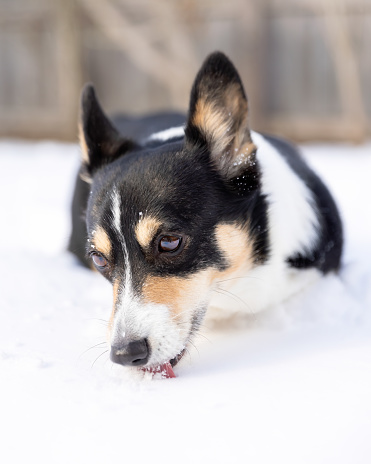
293 386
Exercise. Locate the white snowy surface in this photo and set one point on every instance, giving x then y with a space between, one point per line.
291 386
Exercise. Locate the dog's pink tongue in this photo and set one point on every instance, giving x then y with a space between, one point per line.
165 370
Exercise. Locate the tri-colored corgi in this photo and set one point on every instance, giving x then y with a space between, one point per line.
180 212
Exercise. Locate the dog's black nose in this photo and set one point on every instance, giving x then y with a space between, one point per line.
134 353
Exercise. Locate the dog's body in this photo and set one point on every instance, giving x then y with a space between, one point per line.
184 216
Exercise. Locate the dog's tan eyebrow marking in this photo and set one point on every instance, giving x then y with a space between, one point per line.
146 229
101 241
234 242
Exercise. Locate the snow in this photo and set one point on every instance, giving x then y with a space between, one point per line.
292 385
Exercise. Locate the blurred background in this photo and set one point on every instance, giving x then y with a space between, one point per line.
306 64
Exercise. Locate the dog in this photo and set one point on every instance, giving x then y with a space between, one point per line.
179 213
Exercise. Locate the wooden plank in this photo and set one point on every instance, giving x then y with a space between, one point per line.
278 47
294 7
304 129
68 50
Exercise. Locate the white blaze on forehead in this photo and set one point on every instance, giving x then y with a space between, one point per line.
116 210
126 291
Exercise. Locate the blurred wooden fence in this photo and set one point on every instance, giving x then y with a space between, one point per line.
306 64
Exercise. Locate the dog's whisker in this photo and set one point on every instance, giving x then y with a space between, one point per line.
241 277
94 346
96 359
203 336
174 318
235 298
188 353
194 346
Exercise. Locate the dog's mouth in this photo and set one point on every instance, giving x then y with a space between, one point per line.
165 369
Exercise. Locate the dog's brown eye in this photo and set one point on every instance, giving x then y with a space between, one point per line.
169 243
99 261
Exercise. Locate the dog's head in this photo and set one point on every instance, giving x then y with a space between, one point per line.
167 222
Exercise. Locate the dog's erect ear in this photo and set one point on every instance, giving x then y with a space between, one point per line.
218 116
100 142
